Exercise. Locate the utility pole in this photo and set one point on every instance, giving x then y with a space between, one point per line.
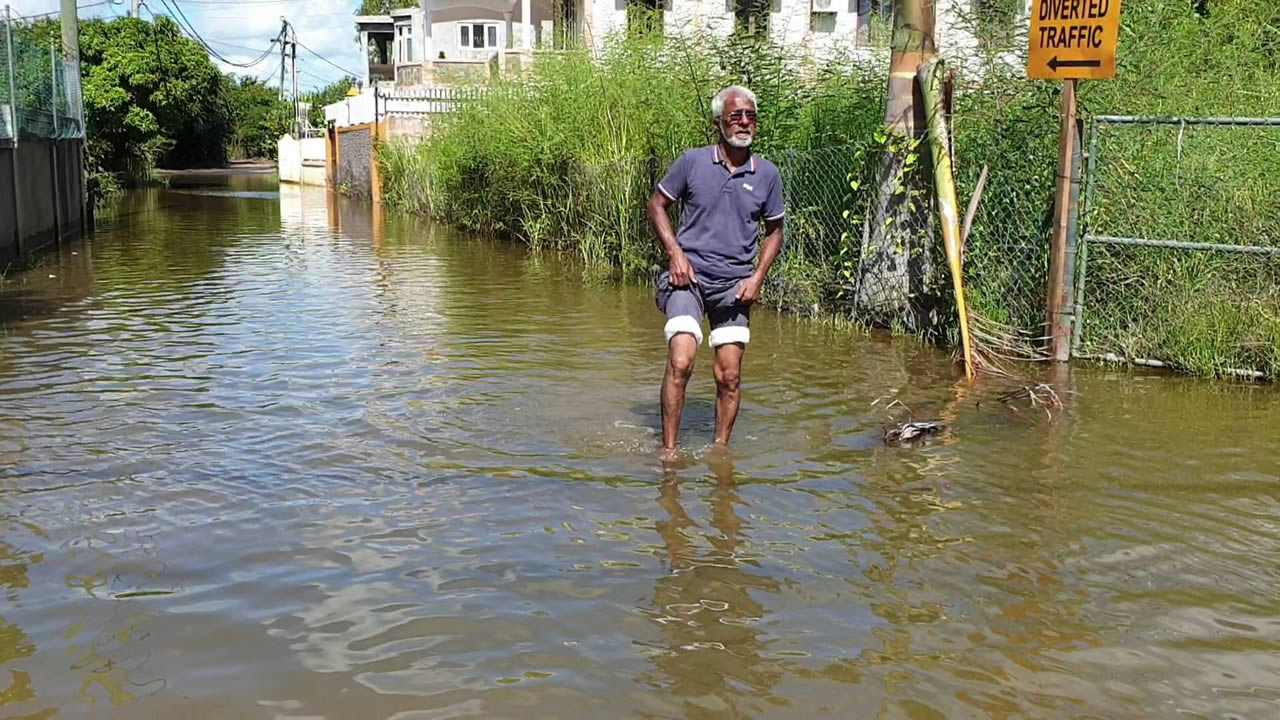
137 9
284 46
18 237
71 54
71 30
297 125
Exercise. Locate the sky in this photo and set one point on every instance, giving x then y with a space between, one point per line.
241 30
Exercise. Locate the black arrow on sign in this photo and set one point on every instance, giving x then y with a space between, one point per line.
1055 63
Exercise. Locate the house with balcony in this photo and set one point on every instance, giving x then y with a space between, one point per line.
443 39
446 39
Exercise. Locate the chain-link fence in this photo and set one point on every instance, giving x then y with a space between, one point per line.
40 92
847 248
861 235
862 240
1180 261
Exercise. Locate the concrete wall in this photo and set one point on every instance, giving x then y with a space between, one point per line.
603 18
356 110
8 206
355 159
301 161
817 29
33 208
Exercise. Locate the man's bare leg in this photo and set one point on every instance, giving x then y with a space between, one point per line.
681 352
728 372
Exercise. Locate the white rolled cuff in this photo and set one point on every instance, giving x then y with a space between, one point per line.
730 334
684 324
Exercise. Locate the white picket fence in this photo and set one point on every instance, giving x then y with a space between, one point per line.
426 101
405 102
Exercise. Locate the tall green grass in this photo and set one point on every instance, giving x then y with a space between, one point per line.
564 157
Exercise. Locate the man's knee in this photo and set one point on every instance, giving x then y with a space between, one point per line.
680 358
728 377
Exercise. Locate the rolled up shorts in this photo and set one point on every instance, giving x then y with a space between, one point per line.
685 306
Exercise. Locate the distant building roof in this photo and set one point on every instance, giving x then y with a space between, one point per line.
374 22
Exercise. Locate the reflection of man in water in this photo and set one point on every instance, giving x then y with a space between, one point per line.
704 604
726 192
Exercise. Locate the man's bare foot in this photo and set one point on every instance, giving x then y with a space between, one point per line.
668 455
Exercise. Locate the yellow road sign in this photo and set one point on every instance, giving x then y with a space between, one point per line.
1073 38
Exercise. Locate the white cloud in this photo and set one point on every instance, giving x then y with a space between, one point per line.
325 26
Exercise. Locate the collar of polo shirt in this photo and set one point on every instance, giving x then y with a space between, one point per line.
715 154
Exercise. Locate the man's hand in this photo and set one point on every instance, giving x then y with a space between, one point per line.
681 272
749 290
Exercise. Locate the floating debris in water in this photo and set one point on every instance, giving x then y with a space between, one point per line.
911 431
907 432
1039 395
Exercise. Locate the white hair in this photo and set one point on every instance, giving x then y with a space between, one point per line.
717 102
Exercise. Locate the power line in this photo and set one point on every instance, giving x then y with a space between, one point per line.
266 77
243 2
190 28
55 12
326 81
313 52
224 43
240 15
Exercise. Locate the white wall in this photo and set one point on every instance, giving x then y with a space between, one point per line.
689 17
956 41
351 111
301 161
447 36
604 17
792 23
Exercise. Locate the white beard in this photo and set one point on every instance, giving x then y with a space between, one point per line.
737 142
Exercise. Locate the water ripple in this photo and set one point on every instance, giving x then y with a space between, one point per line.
267 454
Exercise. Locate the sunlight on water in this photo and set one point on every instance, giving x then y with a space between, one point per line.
266 453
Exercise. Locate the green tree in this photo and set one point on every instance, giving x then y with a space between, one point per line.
331 93
382 7
258 118
151 96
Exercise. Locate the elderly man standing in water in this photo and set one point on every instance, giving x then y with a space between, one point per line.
726 192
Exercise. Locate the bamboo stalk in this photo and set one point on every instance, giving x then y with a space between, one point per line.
973 209
930 76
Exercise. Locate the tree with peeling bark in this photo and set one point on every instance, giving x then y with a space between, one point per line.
896 284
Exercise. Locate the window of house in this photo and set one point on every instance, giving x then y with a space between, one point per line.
404 44
752 16
480 36
644 17
875 22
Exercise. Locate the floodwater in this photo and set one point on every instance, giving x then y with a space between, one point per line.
268 454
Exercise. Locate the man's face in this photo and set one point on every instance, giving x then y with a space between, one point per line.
738 121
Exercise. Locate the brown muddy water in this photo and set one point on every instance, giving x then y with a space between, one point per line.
267 455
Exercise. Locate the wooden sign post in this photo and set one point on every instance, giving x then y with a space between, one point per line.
1069 40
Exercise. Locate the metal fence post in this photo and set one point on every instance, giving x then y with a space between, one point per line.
1082 263
1073 241
1055 326
16 130
53 145
787 173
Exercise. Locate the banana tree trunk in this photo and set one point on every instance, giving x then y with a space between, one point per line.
896 284
944 181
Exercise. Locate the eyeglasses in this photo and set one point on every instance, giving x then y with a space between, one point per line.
738 116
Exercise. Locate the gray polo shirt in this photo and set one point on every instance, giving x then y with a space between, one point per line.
722 210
